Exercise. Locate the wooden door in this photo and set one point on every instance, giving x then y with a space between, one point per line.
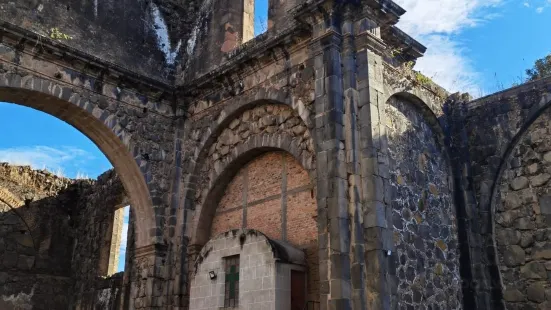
298 290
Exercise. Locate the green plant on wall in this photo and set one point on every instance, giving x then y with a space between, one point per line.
422 79
396 52
56 34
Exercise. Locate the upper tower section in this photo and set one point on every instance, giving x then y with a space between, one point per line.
223 32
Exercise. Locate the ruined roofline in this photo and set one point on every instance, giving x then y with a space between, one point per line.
27 168
543 83
250 51
39 179
108 174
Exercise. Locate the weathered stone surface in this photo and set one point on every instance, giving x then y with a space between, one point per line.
540 180
519 183
513 256
521 198
44 246
536 292
180 96
533 270
542 252
513 295
426 229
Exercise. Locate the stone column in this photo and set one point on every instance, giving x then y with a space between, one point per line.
352 149
374 165
332 185
148 289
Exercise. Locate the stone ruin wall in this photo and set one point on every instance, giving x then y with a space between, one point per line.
95 215
54 238
34 245
523 220
423 212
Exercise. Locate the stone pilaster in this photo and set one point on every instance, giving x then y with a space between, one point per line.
332 185
352 152
374 166
148 285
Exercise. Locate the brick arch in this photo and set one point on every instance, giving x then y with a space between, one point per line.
280 139
199 231
533 114
102 127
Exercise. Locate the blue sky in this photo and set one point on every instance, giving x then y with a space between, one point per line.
475 46
124 238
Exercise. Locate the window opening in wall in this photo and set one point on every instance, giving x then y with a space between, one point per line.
231 294
117 255
260 16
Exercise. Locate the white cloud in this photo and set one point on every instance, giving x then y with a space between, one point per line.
435 23
53 159
539 5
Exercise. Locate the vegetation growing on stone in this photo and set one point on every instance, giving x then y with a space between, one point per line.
541 69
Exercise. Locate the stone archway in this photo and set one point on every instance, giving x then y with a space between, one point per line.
100 126
521 215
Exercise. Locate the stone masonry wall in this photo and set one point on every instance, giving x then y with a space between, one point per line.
423 213
493 125
51 256
523 220
35 245
273 194
95 216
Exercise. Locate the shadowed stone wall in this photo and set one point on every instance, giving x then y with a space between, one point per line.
55 236
35 243
423 213
523 220
505 186
94 220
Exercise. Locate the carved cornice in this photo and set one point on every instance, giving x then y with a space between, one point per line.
398 39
